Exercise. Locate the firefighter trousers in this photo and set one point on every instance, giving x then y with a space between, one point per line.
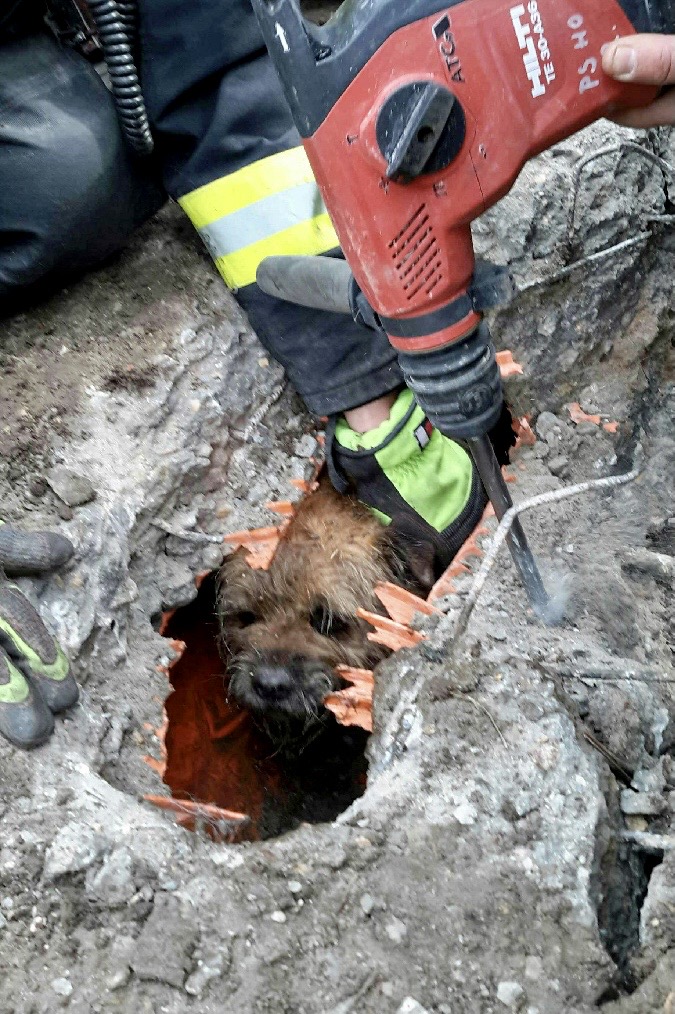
225 149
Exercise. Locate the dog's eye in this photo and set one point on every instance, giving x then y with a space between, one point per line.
245 618
327 623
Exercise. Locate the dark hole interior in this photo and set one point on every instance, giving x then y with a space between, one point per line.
217 754
625 872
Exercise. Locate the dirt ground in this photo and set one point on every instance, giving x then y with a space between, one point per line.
514 848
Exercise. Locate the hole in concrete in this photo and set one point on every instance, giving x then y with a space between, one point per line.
626 872
218 755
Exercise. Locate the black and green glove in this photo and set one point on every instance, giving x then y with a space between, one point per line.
35 682
415 480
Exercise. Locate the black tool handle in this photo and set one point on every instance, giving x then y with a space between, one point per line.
317 64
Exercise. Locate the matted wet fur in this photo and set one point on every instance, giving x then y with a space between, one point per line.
285 629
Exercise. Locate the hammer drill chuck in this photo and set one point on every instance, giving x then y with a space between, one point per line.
458 385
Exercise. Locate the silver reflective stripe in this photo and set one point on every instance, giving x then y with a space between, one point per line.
263 219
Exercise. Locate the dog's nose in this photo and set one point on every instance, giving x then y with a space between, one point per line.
273 682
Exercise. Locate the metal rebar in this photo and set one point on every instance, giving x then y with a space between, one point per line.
511 517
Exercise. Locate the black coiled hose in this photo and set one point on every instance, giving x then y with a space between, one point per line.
116 26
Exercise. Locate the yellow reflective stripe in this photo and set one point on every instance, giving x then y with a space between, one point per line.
270 175
272 214
314 236
271 207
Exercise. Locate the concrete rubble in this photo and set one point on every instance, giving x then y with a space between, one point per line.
515 847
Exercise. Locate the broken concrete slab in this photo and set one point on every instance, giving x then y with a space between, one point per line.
488 827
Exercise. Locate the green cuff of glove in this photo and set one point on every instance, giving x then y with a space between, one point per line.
15 690
24 634
435 481
58 670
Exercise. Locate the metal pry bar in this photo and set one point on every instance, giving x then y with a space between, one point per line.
497 490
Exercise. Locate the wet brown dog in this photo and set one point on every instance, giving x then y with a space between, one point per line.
285 629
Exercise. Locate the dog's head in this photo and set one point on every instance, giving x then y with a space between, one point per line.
285 629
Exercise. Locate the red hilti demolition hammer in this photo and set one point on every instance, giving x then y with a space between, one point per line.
416 117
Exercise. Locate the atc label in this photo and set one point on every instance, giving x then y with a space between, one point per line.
447 47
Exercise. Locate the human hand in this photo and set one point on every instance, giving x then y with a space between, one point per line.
648 60
35 682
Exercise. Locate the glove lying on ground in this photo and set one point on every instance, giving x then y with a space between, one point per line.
35 682
414 479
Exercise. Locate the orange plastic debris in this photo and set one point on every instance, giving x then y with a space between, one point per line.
354 705
359 677
508 367
524 433
390 633
166 619
191 806
401 604
577 415
304 486
445 585
222 826
283 507
260 544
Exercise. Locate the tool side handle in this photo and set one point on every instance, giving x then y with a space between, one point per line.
321 283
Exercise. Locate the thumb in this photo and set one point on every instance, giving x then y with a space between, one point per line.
641 59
